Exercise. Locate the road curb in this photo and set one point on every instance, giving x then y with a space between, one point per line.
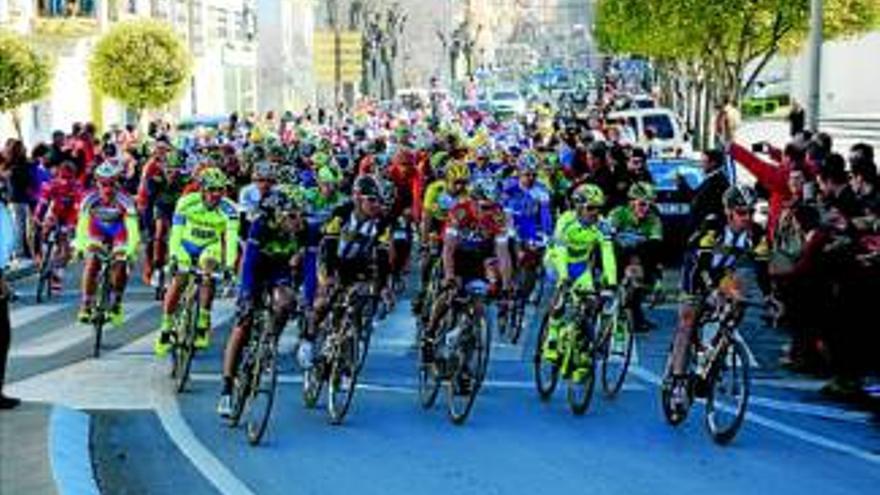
69 454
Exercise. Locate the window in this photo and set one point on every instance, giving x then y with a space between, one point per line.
662 125
66 8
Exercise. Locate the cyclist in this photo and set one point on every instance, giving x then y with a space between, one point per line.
320 202
475 247
347 252
638 238
153 170
578 235
205 233
440 198
160 192
715 253
58 203
273 250
107 220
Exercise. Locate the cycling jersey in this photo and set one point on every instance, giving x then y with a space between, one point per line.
198 231
716 251
267 255
477 230
60 199
530 211
111 224
575 243
623 219
349 243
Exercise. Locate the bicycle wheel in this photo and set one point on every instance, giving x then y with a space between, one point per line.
186 348
546 373
617 352
313 384
342 380
727 392
364 335
579 392
429 376
241 385
44 286
264 380
100 318
466 374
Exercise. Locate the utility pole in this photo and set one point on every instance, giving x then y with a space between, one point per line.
815 64
191 37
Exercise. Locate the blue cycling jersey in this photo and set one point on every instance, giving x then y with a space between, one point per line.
529 209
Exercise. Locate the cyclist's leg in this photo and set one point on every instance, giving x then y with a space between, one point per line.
97 239
209 262
160 241
687 314
149 231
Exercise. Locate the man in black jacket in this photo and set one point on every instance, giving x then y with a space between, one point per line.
5 337
706 198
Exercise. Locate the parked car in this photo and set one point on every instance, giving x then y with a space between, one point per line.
669 133
507 102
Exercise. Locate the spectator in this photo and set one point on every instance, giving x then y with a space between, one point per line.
863 178
58 150
727 120
772 177
796 119
6 247
21 194
705 200
836 192
797 270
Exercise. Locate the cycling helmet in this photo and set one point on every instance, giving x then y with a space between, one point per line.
213 179
106 172
588 195
642 191
483 151
485 190
280 202
739 196
175 161
327 174
264 171
528 162
367 186
457 171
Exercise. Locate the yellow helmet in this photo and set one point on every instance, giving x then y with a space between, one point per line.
457 171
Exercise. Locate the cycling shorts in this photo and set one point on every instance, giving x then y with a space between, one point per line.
102 235
203 256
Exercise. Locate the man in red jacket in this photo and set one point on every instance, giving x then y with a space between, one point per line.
772 176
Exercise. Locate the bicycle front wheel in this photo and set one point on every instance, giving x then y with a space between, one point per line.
468 361
343 378
546 372
44 289
617 352
264 380
186 349
727 392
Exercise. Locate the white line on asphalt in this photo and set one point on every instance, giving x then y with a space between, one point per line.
803 435
67 336
816 410
25 315
803 385
408 387
202 459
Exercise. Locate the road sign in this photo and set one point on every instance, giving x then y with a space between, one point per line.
348 56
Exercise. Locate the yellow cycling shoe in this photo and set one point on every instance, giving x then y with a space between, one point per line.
117 315
162 344
203 339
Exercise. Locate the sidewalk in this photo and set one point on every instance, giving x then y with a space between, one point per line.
24 450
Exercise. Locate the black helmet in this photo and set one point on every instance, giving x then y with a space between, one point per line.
367 185
739 196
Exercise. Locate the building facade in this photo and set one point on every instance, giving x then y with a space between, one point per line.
221 35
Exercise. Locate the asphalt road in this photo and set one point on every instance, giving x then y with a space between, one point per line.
145 439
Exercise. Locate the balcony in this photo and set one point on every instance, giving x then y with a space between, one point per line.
66 18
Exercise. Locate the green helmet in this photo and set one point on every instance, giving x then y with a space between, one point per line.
643 191
176 161
328 174
321 159
213 178
588 195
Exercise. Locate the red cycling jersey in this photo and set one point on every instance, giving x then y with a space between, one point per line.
60 199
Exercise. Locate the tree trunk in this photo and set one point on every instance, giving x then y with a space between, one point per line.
16 123
698 113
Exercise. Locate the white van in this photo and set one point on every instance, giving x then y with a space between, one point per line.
669 133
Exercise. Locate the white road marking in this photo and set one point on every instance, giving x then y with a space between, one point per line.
816 410
779 427
25 315
68 336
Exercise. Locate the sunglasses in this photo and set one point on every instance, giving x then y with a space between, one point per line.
742 212
371 199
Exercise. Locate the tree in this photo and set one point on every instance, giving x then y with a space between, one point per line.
24 75
143 64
